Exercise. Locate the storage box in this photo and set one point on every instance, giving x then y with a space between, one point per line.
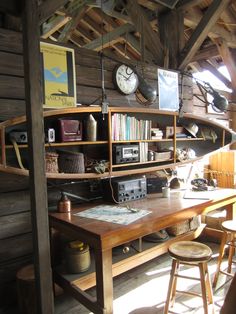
162 156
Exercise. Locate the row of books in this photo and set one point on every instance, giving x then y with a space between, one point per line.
125 128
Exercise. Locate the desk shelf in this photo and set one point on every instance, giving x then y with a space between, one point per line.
122 262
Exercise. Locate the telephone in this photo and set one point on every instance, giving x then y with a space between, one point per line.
199 184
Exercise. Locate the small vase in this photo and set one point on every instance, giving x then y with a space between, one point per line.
91 129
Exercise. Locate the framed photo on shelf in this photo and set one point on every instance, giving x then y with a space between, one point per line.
168 88
58 70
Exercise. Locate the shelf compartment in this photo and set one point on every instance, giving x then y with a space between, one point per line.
122 263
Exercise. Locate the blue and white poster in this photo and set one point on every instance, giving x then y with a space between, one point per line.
168 88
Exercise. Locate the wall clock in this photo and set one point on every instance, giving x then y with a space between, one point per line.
125 79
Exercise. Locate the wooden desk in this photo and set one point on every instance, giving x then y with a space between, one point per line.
103 236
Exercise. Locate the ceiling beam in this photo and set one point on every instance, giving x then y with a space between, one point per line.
206 53
208 66
192 18
201 31
142 24
227 59
102 41
48 8
53 25
72 24
187 4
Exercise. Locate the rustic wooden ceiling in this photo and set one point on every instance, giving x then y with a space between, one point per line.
177 34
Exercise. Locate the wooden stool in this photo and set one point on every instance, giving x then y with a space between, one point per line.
228 240
192 254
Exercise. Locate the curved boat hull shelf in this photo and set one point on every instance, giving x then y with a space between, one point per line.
123 129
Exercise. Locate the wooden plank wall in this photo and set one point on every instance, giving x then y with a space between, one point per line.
15 218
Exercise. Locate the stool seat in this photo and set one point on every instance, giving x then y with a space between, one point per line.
227 240
190 251
191 254
229 225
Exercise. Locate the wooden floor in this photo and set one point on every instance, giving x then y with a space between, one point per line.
143 290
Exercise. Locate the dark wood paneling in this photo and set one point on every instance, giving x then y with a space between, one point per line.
12 87
11 108
10 41
11 64
11 182
20 246
14 202
13 225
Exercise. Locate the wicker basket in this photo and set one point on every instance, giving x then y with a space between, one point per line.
71 162
51 161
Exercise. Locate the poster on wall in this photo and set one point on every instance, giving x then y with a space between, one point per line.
168 88
59 83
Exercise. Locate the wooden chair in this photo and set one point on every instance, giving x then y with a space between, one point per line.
228 240
192 254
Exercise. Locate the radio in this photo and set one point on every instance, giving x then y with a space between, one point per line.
155 184
125 189
123 154
19 136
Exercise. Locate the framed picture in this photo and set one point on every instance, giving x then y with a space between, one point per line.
59 82
168 88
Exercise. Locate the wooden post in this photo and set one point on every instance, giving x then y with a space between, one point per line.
35 127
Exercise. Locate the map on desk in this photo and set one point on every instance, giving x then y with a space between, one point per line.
116 214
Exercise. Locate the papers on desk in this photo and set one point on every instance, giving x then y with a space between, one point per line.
201 195
115 214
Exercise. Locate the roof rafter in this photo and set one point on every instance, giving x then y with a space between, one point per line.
201 31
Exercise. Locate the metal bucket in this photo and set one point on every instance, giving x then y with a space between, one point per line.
78 258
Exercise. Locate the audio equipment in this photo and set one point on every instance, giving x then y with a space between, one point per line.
123 154
125 188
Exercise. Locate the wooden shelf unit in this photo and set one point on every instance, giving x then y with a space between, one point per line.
164 118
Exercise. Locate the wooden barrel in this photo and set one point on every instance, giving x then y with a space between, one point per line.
26 290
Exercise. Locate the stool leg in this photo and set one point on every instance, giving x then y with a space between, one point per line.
209 287
175 283
203 287
171 286
221 254
231 253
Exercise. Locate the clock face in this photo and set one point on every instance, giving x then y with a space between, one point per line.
125 79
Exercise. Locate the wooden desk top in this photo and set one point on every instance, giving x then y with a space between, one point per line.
164 212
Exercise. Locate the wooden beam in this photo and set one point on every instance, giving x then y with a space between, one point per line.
193 16
109 37
206 53
143 26
72 24
200 33
186 4
173 42
208 66
53 25
36 152
227 59
48 8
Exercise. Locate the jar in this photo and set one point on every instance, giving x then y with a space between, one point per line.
77 257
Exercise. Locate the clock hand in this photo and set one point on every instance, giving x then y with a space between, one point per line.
127 78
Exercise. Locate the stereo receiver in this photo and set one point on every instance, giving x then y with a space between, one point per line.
124 189
125 154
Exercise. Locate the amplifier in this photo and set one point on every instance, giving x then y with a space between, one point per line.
125 189
155 184
123 154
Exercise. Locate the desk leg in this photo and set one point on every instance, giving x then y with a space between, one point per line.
231 211
104 280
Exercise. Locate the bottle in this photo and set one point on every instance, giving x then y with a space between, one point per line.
91 129
64 204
